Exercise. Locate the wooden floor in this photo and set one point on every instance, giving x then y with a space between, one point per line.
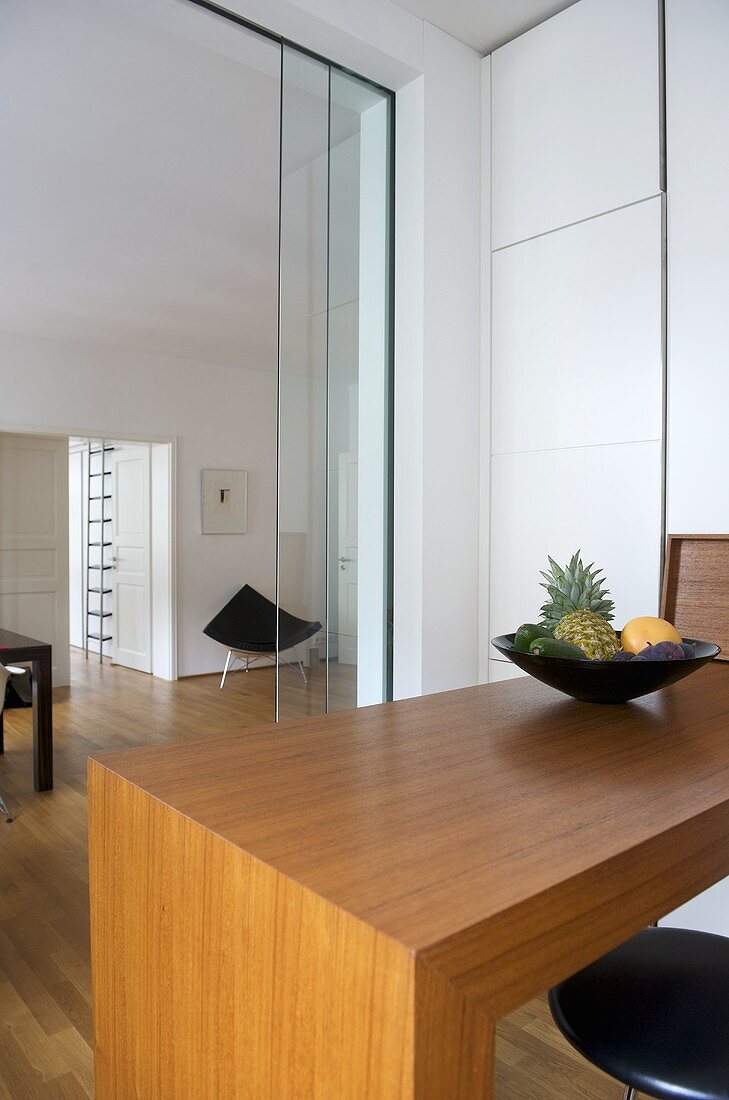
45 1014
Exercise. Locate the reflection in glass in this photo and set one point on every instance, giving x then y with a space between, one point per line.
302 495
358 382
334 554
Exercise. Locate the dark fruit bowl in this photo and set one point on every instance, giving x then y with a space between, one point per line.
606 681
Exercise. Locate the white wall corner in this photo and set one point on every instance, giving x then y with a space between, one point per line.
451 367
484 495
408 456
380 40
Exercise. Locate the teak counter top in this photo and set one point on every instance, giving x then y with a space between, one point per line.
339 908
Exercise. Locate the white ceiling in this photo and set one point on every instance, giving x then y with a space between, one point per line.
485 24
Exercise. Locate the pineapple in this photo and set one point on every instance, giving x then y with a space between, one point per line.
591 633
578 610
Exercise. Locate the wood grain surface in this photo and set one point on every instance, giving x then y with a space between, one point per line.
696 588
45 978
500 836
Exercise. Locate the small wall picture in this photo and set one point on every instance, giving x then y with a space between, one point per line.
224 502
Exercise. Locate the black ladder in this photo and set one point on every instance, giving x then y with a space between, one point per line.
98 490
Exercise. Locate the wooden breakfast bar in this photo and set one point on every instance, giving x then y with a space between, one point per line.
340 908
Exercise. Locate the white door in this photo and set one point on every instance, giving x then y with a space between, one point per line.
347 563
131 557
34 542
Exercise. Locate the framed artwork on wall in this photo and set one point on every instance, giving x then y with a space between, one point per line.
224 502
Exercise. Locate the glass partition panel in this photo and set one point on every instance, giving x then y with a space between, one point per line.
359 387
334 541
302 488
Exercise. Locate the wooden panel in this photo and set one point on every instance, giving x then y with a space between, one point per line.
577 335
603 500
696 588
454 1041
45 994
214 976
368 808
575 117
341 906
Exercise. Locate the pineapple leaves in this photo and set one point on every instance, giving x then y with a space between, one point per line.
574 587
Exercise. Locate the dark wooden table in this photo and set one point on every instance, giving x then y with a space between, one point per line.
341 907
15 649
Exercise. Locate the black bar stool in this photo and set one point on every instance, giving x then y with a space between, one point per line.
654 1014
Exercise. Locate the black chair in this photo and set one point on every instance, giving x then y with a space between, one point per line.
654 1014
246 626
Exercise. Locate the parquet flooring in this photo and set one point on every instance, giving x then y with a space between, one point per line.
45 988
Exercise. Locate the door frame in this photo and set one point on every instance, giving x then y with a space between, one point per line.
170 671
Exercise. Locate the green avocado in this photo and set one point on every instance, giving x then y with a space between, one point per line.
550 647
528 633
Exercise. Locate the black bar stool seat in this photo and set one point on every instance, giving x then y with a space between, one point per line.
654 1014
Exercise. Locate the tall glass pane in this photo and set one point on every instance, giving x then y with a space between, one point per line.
334 561
302 488
359 375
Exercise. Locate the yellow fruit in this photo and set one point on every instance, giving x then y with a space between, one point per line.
639 633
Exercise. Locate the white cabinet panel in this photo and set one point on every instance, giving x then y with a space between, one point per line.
708 912
697 43
605 501
575 117
577 335
503 670
697 101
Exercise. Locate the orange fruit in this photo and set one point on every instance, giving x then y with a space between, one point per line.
639 633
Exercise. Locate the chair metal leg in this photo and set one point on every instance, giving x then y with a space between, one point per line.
4 810
301 667
228 659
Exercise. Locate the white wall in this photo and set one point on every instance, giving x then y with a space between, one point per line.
697 98
484 458
409 386
576 308
437 372
164 612
451 365
222 417
76 540
34 542
575 117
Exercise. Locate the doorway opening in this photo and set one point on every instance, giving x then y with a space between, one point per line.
47 541
121 560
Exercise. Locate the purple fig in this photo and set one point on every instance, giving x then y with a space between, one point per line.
667 651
